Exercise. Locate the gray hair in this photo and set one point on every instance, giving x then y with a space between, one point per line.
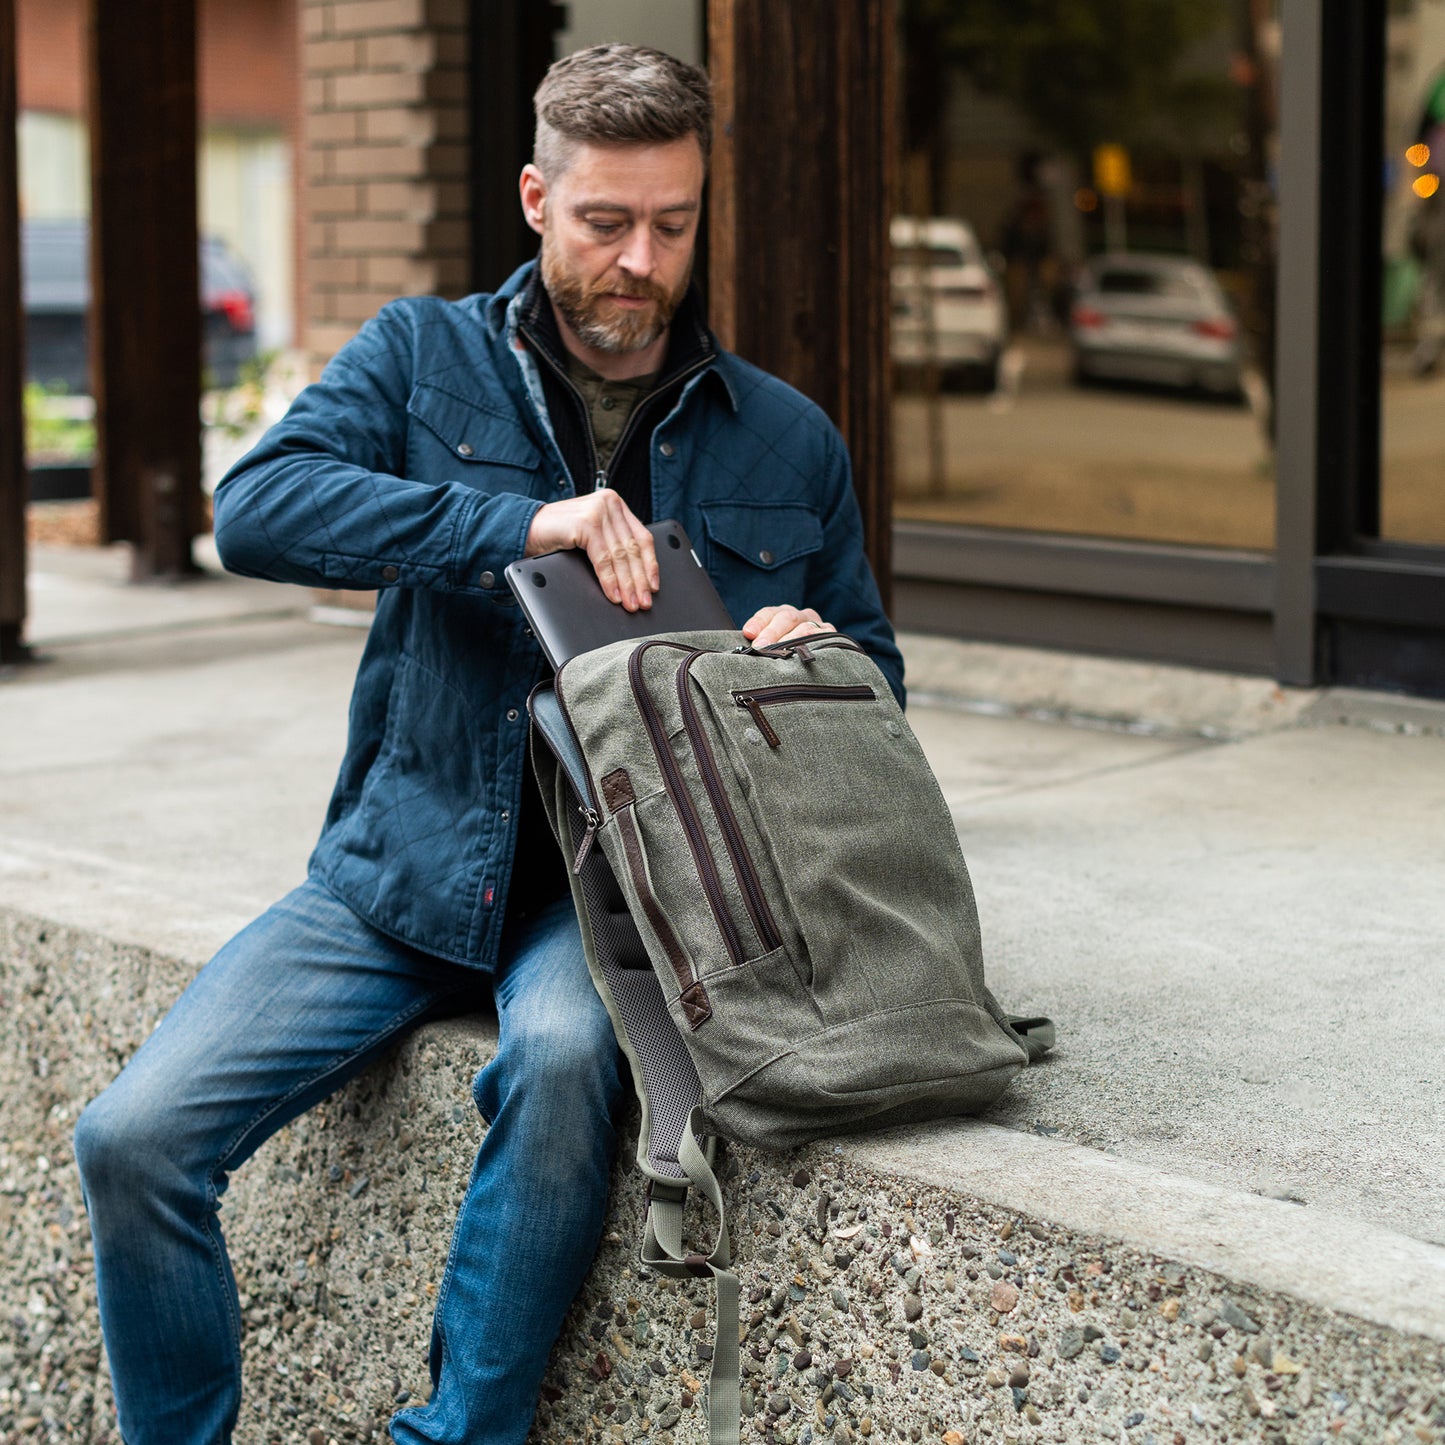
618 95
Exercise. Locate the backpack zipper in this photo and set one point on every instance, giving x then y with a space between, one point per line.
799 646
743 867
587 807
757 698
672 779
692 996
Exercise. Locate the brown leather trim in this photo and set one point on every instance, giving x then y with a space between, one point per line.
695 1004
617 790
694 998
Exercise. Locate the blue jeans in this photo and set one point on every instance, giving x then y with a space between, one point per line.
291 1008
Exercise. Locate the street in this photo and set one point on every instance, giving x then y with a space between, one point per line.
1045 454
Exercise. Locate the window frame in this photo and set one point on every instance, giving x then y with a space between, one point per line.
1333 603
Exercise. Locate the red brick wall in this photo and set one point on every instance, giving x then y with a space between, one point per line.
377 90
384 207
249 59
247 63
50 50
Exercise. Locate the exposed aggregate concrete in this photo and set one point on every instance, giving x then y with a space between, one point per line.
874 1309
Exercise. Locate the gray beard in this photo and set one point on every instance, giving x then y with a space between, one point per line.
622 333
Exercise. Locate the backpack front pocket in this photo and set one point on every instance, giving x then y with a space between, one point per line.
759 699
749 886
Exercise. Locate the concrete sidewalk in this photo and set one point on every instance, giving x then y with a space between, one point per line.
1241 940
1229 897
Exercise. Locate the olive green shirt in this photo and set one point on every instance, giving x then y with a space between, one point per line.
609 403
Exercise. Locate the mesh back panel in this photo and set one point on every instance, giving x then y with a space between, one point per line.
668 1075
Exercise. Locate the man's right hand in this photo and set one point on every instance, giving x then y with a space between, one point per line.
619 547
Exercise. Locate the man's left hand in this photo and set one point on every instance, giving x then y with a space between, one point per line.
782 624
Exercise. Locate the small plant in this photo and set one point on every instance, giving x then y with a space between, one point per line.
235 410
59 427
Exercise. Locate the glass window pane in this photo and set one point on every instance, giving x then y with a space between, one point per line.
1083 269
1412 470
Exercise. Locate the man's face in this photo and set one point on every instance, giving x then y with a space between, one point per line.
619 228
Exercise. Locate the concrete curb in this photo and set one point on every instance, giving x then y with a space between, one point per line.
1335 1263
1142 697
1148 698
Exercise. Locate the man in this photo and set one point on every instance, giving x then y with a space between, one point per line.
582 400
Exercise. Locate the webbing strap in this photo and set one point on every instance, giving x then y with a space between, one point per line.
663 1250
1036 1034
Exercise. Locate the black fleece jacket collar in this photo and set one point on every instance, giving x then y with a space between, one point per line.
690 346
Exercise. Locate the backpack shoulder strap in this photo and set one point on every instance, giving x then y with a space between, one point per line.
663 1075
663 1250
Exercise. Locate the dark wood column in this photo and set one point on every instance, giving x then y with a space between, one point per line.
512 44
145 287
800 192
14 482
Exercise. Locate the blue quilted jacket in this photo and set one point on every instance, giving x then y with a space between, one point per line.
414 468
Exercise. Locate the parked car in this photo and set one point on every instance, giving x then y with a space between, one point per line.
55 283
948 307
1155 319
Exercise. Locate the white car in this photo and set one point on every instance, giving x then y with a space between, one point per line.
948 307
1161 320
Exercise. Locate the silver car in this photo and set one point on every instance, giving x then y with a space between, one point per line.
948 309
1157 319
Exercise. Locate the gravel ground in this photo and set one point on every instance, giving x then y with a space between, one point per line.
873 1308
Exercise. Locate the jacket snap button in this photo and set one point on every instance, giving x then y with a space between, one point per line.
667 449
765 557
389 573
464 450
506 817
511 714
488 579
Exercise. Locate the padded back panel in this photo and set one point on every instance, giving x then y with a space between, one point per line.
670 1079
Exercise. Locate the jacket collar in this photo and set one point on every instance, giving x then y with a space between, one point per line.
522 301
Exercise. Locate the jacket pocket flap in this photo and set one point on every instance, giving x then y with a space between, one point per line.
472 433
765 534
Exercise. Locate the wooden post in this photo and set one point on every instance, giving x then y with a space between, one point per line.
145 284
800 196
512 44
14 480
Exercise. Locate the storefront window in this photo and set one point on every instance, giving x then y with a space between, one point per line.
1083 270
1412 473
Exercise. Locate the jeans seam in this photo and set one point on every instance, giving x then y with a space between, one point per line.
397 1022
450 1267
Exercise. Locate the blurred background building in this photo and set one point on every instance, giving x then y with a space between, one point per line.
1162 282
250 94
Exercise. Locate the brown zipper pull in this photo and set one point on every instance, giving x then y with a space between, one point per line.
764 726
584 849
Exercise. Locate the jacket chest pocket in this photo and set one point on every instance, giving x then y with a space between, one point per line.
760 553
452 439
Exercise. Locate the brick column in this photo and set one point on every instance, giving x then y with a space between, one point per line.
385 208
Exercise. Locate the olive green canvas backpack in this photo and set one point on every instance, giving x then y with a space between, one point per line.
775 909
